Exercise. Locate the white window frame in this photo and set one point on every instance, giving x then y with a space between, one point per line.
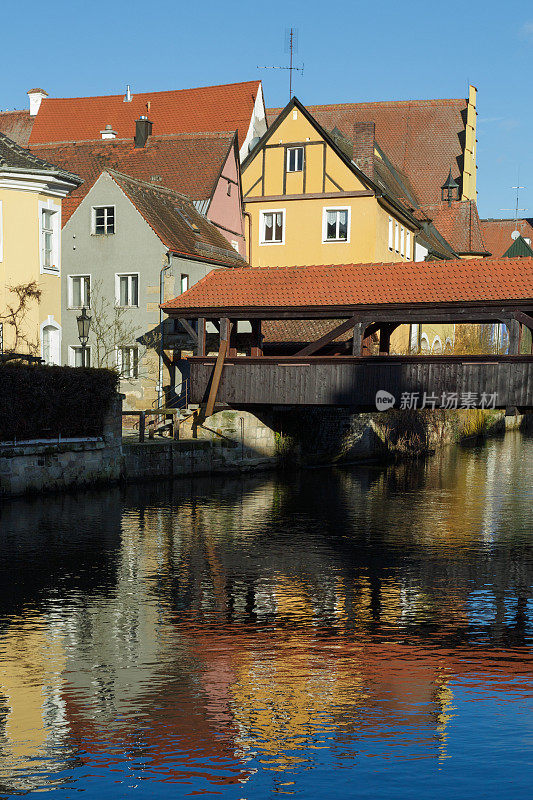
408 244
182 276
118 276
55 269
262 226
72 349
396 236
402 241
235 244
391 234
324 224
51 322
118 358
93 219
289 151
70 291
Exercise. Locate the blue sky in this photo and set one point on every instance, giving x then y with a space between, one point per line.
351 51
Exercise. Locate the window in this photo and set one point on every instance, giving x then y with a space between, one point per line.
235 245
127 290
79 291
295 159
397 236
229 189
408 244
273 227
128 362
335 225
76 356
184 283
103 220
391 233
402 241
47 234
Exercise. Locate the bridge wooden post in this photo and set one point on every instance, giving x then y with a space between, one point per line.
232 349
357 339
514 329
200 342
256 349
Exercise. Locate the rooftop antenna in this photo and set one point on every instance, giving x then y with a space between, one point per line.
291 47
516 233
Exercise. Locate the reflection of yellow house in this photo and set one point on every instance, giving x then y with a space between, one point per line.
31 191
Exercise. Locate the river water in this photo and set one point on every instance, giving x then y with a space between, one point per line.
359 632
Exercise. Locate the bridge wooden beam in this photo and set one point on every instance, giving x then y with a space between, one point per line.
327 338
189 329
385 332
225 334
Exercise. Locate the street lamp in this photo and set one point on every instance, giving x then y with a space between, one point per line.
84 325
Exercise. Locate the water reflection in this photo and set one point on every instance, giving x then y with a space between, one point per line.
294 634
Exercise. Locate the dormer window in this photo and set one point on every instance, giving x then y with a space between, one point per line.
295 159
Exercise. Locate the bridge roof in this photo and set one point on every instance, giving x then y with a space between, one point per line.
484 281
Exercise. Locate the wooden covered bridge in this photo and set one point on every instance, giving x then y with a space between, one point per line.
352 303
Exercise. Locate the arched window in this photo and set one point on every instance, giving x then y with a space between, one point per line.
436 348
51 343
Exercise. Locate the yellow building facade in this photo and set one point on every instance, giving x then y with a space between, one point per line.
31 192
308 203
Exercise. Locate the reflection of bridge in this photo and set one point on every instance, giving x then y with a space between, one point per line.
361 301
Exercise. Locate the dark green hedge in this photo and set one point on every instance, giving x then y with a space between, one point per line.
45 401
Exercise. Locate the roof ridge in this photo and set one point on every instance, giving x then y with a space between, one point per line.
152 137
146 184
159 91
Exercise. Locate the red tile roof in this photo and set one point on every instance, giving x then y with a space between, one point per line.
362 284
177 223
187 163
17 125
211 108
459 223
497 233
422 138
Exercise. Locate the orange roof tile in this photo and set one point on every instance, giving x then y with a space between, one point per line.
17 125
459 223
362 284
497 233
187 163
211 108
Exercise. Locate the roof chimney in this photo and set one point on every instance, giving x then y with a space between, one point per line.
143 129
128 95
36 97
108 132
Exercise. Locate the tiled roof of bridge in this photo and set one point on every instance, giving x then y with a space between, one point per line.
211 108
344 285
497 233
188 163
422 138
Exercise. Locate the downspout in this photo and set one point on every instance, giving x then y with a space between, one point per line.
161 337
247 214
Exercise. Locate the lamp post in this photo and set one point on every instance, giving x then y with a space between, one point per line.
84 326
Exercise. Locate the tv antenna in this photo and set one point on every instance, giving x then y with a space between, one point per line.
291 47
516 233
